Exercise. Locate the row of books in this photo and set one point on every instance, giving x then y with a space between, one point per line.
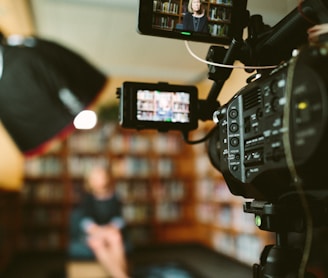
42 216
158 144
142 167
48 166
220 13
173 6
43 240
129 166
142 213
173 190
170 144
139 191
136 213
166 7
219 30
78 166
91 141
154 106
168 211
43 192
125 143
104 141
244 247
214 190
154 97
224 2
226 217
164 22
133 190
163 116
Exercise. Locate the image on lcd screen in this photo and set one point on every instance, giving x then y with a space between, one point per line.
212 18
160 106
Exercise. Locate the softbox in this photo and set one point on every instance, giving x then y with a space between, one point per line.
43 86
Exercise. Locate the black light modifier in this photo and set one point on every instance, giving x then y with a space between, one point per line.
43 86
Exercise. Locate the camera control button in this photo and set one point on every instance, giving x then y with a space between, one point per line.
234 127
233 113
234 168
234 141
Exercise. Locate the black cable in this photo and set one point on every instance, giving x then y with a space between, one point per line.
205 138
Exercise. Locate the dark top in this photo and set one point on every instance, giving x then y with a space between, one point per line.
101 211
196 24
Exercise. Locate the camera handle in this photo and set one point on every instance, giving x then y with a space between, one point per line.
219 54
280 259
219 75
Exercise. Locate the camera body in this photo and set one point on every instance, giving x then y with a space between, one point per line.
160 106
248 145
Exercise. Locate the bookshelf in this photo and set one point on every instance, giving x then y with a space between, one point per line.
168 15
149 171
170 191
44 216
147 168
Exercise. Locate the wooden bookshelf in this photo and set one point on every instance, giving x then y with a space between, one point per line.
170 190
168 15
43 201
150 171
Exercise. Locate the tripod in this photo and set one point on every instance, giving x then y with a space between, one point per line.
282 260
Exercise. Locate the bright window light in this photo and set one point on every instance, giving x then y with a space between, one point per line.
86 119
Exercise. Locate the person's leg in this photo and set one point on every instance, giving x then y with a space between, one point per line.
106 250
115 244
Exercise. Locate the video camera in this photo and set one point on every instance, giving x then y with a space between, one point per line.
247 143
270 138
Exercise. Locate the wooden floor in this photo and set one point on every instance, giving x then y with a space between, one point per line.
78 269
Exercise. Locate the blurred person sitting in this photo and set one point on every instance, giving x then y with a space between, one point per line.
101 222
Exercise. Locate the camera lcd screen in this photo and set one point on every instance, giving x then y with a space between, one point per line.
195 20
159 106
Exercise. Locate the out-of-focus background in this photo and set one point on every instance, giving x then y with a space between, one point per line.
172 195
